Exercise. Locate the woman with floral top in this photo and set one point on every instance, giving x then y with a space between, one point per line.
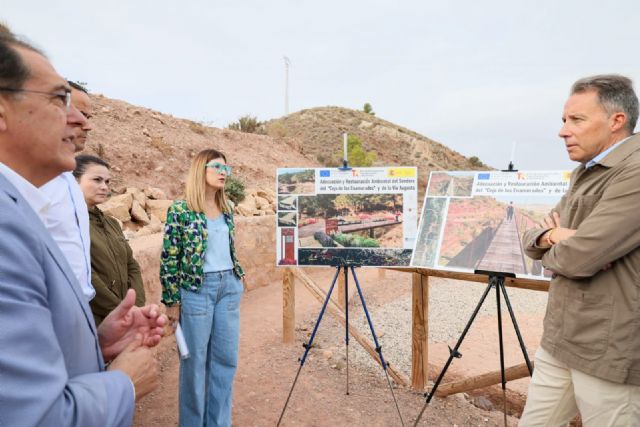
199 270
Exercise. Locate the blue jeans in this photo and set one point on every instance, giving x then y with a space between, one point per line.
210 320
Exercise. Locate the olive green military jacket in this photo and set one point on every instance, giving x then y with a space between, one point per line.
592 322
113 268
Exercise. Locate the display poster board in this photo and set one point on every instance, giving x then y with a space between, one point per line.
476 220
359 216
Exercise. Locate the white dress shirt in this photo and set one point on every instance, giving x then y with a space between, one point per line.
36 199
68 222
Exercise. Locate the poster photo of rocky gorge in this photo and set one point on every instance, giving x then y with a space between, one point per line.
481 232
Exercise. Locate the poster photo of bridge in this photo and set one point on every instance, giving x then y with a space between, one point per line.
362 216
484 230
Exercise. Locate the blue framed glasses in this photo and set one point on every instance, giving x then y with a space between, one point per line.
220 167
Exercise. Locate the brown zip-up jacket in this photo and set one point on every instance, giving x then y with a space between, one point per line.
592 321
113 268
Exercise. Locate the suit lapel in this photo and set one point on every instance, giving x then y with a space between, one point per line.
34 221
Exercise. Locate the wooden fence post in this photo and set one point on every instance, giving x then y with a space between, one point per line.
420 332
288 306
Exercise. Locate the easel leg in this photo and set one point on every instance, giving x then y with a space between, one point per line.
515 326
453 353
498 281
375 340
346 315
309 344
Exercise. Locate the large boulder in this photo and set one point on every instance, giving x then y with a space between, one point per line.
138 196
118 207
248 206
154 226
262 203
139 214
270 195
155 193
158 208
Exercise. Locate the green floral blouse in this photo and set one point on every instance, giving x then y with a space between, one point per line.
183 249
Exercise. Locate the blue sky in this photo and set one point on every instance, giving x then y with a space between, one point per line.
476 76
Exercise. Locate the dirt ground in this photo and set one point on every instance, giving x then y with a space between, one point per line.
267 367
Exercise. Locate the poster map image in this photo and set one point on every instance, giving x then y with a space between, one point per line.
360 216
476 220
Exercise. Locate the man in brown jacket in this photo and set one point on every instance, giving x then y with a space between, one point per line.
589 358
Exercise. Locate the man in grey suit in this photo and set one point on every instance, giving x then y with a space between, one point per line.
52 370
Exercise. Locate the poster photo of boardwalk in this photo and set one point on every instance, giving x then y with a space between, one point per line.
476 220
361 216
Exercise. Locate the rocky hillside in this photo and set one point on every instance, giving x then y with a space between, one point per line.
319 134
149 149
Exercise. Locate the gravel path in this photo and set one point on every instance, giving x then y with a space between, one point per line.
451 304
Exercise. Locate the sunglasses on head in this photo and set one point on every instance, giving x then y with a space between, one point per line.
219 167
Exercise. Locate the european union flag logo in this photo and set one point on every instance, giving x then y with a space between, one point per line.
484 175
325 173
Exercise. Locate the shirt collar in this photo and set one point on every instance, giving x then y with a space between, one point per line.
36 199
602 155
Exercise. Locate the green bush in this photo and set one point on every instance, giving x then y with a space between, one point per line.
234 189
368 109
475 162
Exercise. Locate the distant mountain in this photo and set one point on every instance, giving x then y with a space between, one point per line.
318 133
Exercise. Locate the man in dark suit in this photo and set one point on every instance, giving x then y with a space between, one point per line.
52 370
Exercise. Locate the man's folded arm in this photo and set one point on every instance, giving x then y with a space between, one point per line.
611 231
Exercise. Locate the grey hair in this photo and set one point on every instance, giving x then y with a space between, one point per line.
615 93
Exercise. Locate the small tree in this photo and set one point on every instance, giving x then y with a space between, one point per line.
475 162
234 188
368 109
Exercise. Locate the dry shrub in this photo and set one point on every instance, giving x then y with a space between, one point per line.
276 130
197 128
158 143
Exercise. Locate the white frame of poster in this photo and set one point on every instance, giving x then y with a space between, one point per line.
474 220
350 206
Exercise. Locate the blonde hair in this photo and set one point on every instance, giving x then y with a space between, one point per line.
197 184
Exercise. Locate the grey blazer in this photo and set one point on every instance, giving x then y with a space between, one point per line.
51 367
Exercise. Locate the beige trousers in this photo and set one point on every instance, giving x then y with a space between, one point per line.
557 393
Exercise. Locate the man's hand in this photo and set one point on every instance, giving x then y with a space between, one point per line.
550 221
127 321
556 233
140 365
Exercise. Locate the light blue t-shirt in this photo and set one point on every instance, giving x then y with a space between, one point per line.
218 255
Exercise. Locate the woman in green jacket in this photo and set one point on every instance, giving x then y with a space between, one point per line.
199 269
113 268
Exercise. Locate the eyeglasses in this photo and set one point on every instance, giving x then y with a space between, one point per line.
219 167
63 97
